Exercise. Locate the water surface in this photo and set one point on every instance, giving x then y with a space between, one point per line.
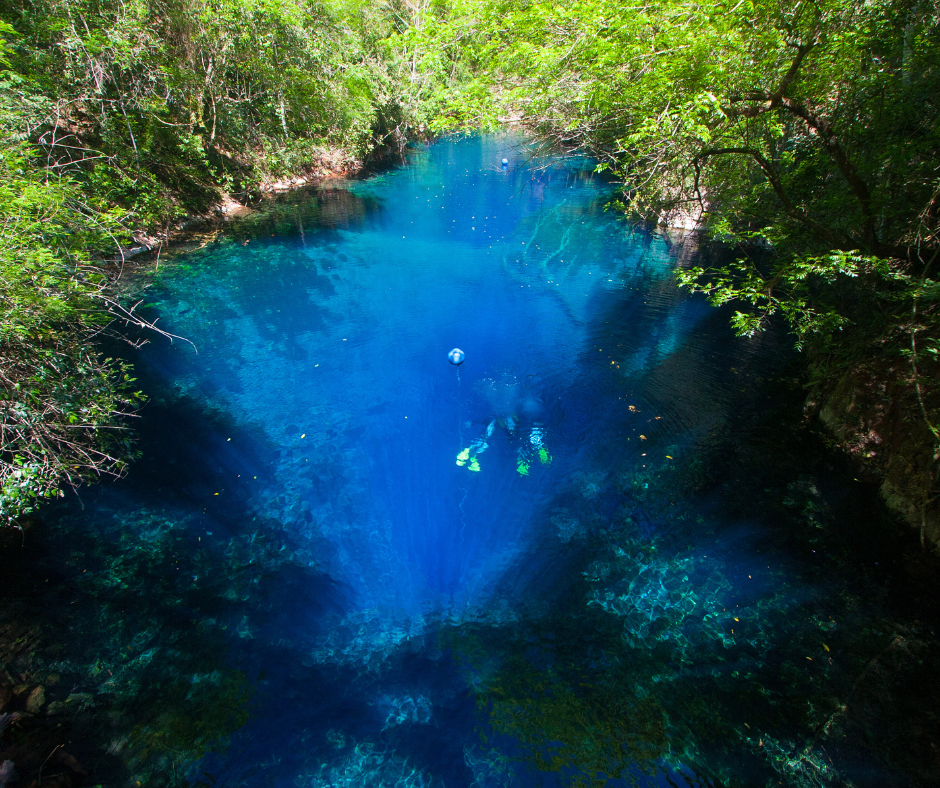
605 550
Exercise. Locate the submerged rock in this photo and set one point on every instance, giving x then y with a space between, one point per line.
8 774
36 700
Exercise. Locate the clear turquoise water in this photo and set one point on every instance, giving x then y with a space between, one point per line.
645 568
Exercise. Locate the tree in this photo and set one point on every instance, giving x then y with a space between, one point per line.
810 128
61 402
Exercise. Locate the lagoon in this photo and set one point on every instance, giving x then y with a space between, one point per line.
607 549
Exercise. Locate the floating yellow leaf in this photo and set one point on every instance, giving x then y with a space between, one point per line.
642 437
668 457
825 647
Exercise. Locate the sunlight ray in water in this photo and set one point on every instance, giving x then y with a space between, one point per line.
332 343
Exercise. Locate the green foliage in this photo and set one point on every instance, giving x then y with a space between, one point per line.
796 290
60 401
805 135
157 106
811 129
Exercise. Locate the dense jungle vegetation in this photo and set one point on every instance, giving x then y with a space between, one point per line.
801 136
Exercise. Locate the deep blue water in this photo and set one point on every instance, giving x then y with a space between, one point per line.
604 549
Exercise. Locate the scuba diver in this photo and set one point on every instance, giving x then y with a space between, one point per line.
529 451
469 455
535 449
506 396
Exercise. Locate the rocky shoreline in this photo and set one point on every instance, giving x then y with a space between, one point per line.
329 164
872 413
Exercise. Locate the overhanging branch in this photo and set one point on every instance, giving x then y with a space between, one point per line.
759 102
773 178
